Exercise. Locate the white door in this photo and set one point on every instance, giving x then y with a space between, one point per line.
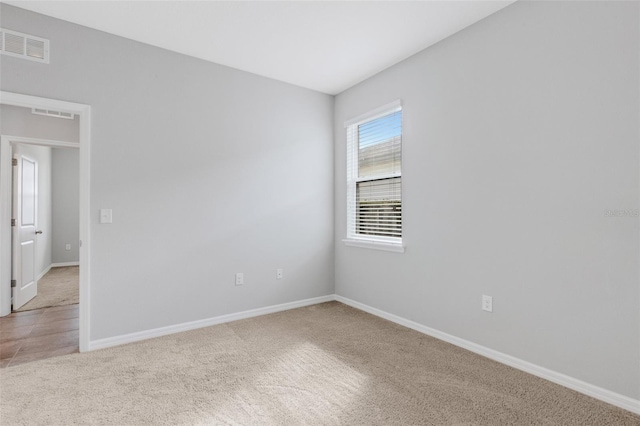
25 212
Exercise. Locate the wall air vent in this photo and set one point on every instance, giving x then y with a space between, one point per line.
51 113
25 46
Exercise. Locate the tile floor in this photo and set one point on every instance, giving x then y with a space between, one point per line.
42 333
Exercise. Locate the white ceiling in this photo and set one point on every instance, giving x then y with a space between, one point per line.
323 45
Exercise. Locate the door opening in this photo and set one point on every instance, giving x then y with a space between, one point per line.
45 225
6 170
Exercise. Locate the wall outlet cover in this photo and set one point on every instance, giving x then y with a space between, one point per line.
106 216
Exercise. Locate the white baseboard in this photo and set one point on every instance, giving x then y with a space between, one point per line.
61 264
43 273
163 331
56 265
593 391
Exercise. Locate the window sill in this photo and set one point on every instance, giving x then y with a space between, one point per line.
376 245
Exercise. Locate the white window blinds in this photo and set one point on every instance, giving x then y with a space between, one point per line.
374 175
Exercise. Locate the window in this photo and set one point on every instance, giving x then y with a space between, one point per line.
374 179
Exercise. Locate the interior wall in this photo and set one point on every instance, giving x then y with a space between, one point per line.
209 171
65 186
520 138
18 121
42 155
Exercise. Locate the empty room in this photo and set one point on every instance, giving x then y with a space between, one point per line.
320 212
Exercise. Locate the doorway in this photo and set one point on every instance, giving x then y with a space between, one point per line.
45 217
45 277
84 115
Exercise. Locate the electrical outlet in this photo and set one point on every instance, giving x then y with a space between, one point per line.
487 303
279 274
67 247
106 216
239 278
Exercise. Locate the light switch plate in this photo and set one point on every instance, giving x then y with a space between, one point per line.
239 278
487 303
106 216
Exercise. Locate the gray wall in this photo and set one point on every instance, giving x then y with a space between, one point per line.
519 132
65 187
42 155
209 171
17 121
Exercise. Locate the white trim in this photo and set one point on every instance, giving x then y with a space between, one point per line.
375 113
593 391
43 273
84 116
376 245
28 101
42 142
56 265
353 238
62 264
186 326
5 228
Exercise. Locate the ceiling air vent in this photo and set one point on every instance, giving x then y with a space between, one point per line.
51 113
24 46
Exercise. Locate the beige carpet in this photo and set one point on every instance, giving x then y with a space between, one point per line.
327 364
59 286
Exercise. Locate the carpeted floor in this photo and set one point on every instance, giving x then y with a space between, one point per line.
59 286
326 364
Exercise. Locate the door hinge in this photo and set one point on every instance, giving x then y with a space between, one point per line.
13 283
14 161
13 222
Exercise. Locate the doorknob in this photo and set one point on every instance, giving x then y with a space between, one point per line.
38 232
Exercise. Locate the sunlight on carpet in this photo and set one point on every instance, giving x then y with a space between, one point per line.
311 380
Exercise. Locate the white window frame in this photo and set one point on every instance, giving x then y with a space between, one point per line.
353 239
